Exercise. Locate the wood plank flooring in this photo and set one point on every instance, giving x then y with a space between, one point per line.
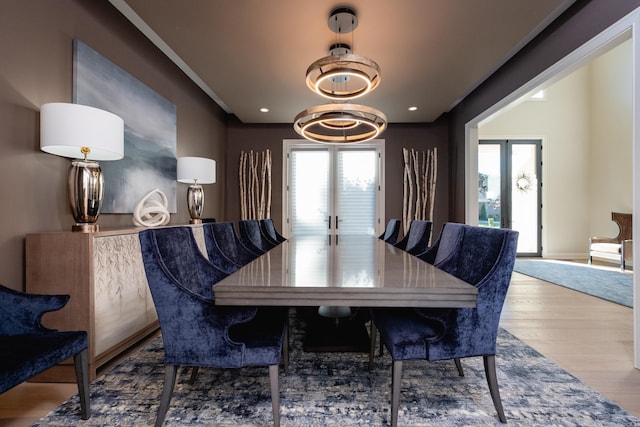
587 336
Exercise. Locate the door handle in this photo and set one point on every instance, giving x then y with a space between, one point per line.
336 222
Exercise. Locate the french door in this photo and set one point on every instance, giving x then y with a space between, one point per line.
331 189
509 189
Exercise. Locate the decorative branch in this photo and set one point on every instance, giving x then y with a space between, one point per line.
254 175
420 173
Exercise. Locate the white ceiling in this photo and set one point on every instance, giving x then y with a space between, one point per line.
248 54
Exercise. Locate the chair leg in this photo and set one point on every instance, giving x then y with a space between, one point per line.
459 366
285 349
372 346
170 374
492 380
81 362
194 374
275 394
396 378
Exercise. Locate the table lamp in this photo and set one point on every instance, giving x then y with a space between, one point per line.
85 134
196 171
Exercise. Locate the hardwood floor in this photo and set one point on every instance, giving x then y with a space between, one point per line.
587 336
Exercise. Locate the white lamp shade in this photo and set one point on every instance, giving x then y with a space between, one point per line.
196 169
64 128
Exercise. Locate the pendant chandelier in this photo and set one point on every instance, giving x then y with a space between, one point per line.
341 76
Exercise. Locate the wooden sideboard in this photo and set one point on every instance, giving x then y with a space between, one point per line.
104 275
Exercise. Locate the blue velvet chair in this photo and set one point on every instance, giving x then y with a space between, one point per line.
390 234
446 245
483 257
269 229
196 332
252 236
214 255
417 239
27 348
223 236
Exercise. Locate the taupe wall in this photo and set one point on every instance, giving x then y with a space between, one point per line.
397 136
36 52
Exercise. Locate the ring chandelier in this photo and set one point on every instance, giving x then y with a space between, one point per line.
340 123
341 76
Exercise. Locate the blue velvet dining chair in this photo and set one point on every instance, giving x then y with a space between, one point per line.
27 348
446 245
269 229
391 232
252 236
214 253
196 332
417 238
224 237
483 257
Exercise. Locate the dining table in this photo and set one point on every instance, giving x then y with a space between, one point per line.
342 271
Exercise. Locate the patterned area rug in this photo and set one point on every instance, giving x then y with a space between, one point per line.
336 389
607 284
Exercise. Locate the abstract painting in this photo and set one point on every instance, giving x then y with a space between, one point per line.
149 130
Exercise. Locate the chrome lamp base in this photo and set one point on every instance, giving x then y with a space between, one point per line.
85 185
195 202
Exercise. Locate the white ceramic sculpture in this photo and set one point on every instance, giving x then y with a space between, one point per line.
151 212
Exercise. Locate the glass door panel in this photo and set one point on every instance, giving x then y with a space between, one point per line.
309 186
333 190
509 193
356 192
489 185
525 197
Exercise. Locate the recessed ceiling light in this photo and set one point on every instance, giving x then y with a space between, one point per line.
413 108
264 110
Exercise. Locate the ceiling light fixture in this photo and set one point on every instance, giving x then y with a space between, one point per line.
340 123
341 76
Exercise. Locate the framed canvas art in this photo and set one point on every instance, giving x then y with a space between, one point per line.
149 130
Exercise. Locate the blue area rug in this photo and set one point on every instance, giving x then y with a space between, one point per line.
338 390
610 285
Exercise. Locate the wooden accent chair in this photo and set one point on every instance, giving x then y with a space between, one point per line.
618 249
